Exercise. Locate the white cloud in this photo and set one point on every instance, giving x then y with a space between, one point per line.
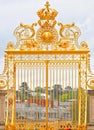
1 64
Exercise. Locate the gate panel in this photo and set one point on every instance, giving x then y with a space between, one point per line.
63 79
30 84
30 81
31 91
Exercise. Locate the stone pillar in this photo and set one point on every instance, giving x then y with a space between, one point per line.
91 109
2 105
90 113
91 106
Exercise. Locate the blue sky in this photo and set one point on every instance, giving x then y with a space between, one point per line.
13 12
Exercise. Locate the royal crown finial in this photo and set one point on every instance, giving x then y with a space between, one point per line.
47 13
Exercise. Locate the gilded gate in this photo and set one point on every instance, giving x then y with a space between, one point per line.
47 74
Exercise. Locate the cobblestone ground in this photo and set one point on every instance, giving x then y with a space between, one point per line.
2 126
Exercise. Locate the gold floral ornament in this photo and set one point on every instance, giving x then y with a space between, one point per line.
10 101
62 45
10 46
90 83
29 45
2 83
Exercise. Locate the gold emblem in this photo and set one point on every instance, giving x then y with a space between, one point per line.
47 34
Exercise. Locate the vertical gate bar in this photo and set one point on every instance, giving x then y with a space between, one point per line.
17 80
21 89
75 86
86 100
86 90
25 96
13 106
16 98
53 85
51 76
46 95
24 66
42 84
65 87
31 91
41 69
60 93
74 80
40 64
70 93
49 73
69 89
33 74
79 95
27 80
56 90
39 81
14 102
63 90
23 92
37 95
72 87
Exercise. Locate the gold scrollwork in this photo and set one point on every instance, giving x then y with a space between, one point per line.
2 83
84 45
30 27
90 83
25 31
69 31
63 27
47 35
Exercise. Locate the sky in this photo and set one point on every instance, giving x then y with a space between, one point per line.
13 12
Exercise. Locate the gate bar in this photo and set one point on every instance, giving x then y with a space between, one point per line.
46 95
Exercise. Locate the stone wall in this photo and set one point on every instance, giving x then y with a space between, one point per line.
2 105
90 113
